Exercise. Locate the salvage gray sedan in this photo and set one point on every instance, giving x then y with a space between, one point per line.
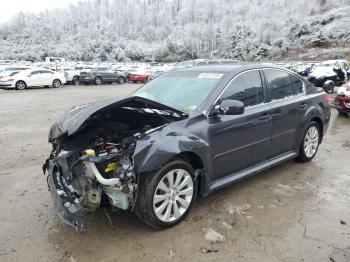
186 133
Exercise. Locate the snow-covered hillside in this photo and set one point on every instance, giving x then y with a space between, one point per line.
181 29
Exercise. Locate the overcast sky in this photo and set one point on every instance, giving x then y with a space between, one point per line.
10 7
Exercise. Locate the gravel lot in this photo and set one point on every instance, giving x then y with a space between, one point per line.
293 212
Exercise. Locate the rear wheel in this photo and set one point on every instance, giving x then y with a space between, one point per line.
99 81
121 80
56 83
76 80
309 145
21 85
167 196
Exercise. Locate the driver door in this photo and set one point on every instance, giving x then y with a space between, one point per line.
240 141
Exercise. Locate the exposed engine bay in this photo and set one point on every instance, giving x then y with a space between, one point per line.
94 166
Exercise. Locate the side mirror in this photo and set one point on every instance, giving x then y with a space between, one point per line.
230 107
29 75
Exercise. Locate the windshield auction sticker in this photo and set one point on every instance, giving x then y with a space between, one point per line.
210 75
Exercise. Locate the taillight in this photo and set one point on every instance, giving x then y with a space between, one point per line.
326 98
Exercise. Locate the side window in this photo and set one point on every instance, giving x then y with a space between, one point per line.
46 72
298 84
246 88
35 73
280 84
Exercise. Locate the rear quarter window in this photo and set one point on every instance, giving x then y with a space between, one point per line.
298 84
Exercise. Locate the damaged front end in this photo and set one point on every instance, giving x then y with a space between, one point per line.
93 165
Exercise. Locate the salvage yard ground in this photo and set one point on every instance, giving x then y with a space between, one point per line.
293 212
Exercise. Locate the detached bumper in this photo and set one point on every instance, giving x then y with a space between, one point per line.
62 193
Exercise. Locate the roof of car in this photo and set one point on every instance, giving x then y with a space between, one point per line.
226 68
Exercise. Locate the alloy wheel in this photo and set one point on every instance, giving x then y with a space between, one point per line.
121 80
311 141
21 85
98 81
173 195
56 84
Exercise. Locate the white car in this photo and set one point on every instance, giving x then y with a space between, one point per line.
33 78
72 75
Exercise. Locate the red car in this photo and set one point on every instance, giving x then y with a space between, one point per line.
139 77
342 100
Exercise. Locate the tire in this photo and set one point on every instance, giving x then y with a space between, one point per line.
308 149
147 203
145 81
76 80
99 81
328 86
56 83
21 85
121 80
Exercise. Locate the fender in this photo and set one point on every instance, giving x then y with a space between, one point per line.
156 149
310 113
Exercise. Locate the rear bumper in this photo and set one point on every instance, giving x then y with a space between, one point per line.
137 78
69 211
87 81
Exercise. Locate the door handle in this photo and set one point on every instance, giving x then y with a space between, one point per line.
265 118
303 106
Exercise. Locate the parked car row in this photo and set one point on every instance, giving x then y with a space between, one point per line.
327 74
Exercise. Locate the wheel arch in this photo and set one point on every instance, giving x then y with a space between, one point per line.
150 158
313 114
320 125
198 165
20 80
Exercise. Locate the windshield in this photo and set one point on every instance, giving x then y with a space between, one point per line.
185 64
184 91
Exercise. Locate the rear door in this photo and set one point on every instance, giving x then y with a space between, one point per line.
46 77
240 141
288 105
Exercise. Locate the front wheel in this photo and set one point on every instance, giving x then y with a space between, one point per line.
56 83
166 197
309 145
21 85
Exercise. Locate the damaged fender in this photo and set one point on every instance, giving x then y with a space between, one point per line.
155 150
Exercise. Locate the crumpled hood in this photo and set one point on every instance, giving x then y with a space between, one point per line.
72 120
